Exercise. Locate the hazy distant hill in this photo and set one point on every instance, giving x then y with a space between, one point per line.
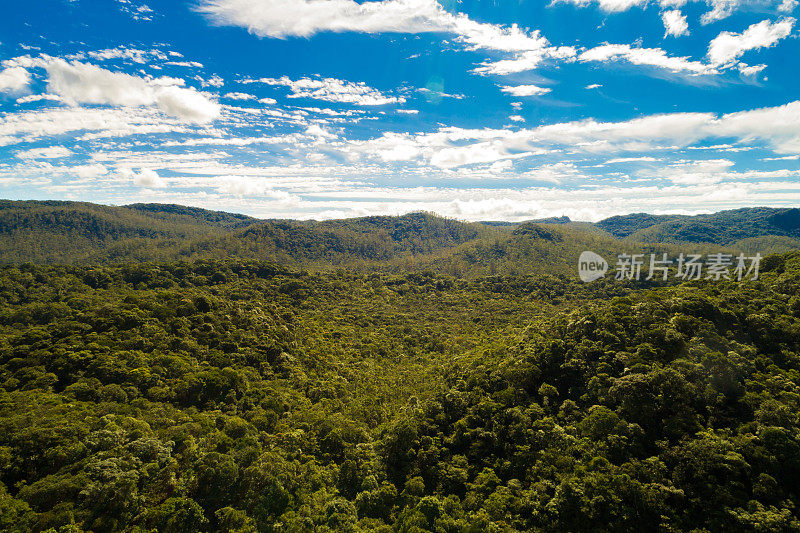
339 242
535 249
547 220
76 232
775 229
195 214
83 233
51 231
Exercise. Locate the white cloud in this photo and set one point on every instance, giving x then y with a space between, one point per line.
654 57
240 96
720 9
483 152
778 125
319 132
93 170
696 172
749 70
727 46
137 11
642 159
28 126
593 86
14 79
49 152
82 83
672 3
333 90
609 6
38 97
783 158
144 178
525 90
188 64
252 187
525 61
213 81
675 23
187 104
134 55
304 18
777 128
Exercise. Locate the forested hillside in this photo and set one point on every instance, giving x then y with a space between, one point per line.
762 228
241 396
171 369
73 232
80 233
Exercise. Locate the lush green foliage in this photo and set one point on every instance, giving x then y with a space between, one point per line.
421 375
725 227
80 233
244 397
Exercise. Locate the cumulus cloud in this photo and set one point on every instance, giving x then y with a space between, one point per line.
304 18
14 79
750 70
675 23
525 90
727 46
334 90
187 104
144 178
82 83
90 171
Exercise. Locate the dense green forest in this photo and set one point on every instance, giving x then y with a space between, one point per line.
752 229
407 374
56 232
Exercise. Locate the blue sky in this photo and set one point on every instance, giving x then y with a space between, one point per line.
478 110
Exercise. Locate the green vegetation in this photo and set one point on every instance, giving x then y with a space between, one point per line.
726 228
88 234
404 374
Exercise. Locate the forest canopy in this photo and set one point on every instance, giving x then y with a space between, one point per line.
246 395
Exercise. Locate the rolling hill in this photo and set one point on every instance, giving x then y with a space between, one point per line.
777 229
82 233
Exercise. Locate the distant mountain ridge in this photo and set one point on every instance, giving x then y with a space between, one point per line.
728 228
84 233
